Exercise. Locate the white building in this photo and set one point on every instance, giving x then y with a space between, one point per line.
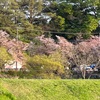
13 65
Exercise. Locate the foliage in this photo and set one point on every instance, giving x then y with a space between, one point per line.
57 23
79 16
13 17
42 45
50 15
30 18
4 56
44 67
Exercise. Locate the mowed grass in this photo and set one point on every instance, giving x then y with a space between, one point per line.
24 89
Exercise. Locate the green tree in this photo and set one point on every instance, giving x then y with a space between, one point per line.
79 15
42 66
10 16
31 8
57 23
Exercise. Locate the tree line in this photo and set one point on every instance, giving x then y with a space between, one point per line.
34 17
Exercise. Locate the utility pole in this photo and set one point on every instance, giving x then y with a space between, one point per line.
17 44
17 35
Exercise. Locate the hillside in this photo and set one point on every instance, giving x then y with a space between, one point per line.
46 57
22 89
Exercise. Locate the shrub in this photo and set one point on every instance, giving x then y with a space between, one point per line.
4 56
42 66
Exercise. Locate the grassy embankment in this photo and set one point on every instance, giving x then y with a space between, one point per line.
23 89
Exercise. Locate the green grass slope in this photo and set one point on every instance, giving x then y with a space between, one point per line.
5 95
22 89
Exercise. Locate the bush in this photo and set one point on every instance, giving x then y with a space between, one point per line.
4 56
41 66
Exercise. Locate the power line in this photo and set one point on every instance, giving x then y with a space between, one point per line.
51 32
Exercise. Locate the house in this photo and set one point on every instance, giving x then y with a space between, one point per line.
13 65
